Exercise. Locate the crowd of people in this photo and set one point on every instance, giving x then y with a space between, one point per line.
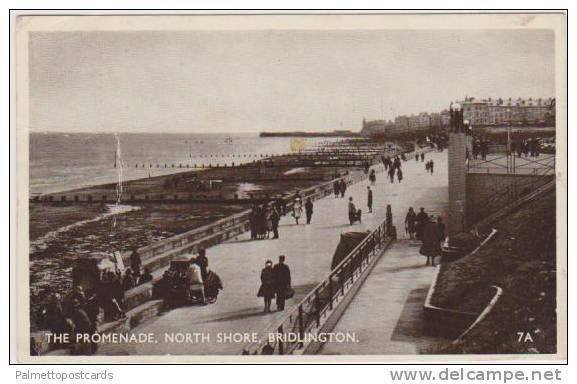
429 230
393 167
529 147
83 308
480 148
264 220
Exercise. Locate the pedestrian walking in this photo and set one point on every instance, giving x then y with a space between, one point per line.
422 219
373 177
392 174
280 206
370 198
261 222
410 221
282 281
275 218
422 156
297 209
336 188
343 188
399 174
431 166
431 246
309 210
391 231
267 288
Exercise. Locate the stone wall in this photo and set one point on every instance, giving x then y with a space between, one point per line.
487 193
459 145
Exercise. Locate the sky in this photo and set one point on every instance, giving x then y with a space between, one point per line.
251 81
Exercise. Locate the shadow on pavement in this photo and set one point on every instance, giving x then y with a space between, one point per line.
410 327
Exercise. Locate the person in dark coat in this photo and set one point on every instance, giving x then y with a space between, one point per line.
261 222
373 177
280 204
410 221
53 315
391 231
352 211
422 219
336 188
267 288
431 246
369 198
275 219
128 281
397 163
392 174
431 166
309 209
202 261
282 280
145 277
135 262
343 188
422 156
212 286
399 174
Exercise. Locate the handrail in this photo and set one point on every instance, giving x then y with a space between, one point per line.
482 315
161 246
316 300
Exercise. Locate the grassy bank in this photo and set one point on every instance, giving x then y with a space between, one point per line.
520 259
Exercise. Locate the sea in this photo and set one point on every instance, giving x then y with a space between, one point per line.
66 161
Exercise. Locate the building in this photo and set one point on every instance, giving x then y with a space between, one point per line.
478 112
487 112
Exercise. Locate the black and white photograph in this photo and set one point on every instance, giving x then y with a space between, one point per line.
276 187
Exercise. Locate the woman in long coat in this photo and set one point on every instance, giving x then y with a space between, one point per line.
267 287
431 246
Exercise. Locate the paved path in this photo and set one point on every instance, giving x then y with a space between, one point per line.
309 250
387 312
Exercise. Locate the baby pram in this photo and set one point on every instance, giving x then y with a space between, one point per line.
355 216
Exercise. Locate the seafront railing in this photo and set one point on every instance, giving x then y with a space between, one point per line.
223 229
232 223
306 317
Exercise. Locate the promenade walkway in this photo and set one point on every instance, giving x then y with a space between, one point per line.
308 249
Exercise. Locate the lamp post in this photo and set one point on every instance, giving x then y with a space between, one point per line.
510 155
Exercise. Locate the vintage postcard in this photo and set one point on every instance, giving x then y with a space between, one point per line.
290 187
